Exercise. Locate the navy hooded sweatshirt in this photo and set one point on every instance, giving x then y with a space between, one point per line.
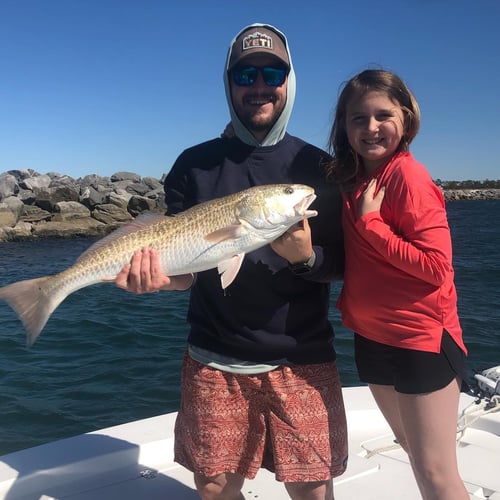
268 314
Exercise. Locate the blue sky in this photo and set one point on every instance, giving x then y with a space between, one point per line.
100 86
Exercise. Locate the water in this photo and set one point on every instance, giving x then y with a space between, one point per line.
108 357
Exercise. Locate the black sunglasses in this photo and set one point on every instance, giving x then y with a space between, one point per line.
245 76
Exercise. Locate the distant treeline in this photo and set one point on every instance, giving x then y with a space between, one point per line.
486 184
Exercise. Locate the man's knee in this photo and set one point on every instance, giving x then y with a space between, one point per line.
220 487
314 490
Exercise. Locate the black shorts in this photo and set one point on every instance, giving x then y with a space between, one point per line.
408 370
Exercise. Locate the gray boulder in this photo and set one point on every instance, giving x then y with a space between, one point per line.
49 197
139 204
125 176
8 186
10 211
73 228
111 214
39 182
120 198
70 210
91 196
34 214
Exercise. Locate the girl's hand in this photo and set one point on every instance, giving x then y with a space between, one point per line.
369 201
228 132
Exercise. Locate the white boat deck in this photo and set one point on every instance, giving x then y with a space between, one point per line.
135 461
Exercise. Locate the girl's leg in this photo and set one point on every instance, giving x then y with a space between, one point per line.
386 398
425 425
430 426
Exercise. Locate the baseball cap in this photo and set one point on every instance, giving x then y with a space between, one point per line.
258 40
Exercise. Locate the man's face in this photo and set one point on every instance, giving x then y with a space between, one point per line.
258 106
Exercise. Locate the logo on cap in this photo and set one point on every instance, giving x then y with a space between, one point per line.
257 40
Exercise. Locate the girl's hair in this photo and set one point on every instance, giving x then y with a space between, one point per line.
346 163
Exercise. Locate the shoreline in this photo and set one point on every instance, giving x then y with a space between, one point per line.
52 205
471 194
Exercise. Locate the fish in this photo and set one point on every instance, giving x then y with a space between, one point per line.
212 234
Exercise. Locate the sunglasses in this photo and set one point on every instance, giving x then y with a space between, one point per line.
245 76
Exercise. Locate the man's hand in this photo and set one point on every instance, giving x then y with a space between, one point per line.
144 275
295 245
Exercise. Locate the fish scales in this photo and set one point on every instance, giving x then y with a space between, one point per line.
173 237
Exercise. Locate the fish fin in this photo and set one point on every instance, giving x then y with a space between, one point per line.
229 268
108 279
31 304
232 232
140 222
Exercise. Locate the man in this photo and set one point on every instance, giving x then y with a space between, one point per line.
260 387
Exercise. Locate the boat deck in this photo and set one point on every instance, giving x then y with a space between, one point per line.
135 461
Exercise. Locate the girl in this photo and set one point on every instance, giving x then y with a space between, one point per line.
398 295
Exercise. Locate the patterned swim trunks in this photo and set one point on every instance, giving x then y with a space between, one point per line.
290 420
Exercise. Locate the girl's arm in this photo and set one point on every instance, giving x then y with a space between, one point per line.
420 245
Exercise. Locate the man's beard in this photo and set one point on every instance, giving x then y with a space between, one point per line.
255 123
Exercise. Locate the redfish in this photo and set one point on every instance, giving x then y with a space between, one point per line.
214 234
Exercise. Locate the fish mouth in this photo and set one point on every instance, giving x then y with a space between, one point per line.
301 208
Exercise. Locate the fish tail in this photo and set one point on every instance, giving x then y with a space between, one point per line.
31 303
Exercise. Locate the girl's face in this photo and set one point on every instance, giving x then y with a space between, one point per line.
375 127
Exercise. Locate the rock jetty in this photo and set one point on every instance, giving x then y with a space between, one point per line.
53 205
471 194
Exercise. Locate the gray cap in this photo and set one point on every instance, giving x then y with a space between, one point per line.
258 40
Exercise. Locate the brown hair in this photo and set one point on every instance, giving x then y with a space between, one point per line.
346 163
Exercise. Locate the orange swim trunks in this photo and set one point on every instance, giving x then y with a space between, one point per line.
290 420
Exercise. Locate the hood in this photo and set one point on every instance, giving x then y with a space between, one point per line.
279 128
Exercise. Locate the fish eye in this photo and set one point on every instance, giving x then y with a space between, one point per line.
289 190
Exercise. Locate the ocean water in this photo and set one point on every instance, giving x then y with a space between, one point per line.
107 357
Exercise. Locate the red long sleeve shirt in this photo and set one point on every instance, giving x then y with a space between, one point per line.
398 282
